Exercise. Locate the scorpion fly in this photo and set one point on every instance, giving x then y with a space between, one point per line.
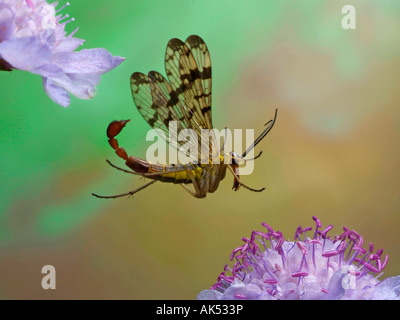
185 98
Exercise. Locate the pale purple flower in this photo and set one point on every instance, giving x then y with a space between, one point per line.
313 266
33 38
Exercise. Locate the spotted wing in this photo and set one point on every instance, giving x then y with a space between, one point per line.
203 61
158 103
188 67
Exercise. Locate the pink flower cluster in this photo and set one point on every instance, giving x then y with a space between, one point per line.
267 266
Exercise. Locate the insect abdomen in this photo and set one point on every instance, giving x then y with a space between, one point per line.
180 176
173 173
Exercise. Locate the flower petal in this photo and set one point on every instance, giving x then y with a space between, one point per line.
78 89
7 27
58 94
388 289
68 44
25 53
209 295
86 79
97 60
335 287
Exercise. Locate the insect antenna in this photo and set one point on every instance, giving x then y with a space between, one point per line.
270 124
239 158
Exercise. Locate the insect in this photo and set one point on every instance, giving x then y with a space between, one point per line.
185 98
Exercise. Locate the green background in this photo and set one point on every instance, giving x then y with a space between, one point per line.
333 153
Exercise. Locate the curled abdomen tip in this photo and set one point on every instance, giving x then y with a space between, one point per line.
115 127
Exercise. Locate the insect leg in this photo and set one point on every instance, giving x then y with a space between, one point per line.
118 168
192 193
197 193
242 184
147 174
130 193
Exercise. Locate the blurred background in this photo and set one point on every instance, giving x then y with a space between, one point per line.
334 152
